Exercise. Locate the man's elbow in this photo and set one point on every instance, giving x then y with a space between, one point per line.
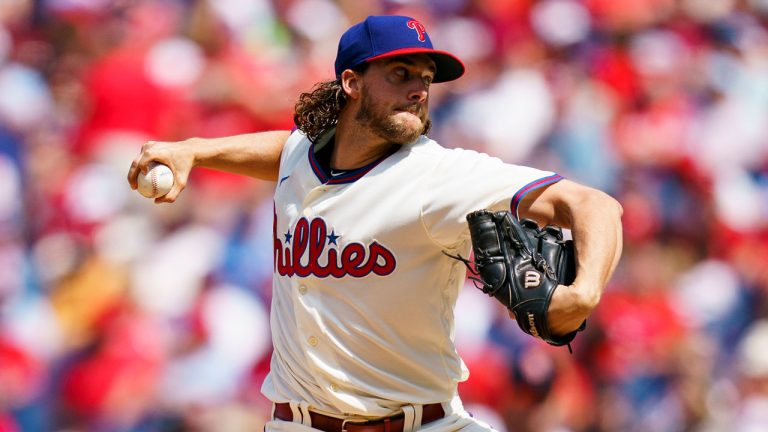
605 203
613 206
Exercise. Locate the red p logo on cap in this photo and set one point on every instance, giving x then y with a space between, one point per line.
419 27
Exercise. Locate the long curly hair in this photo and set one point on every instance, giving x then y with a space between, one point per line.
318 109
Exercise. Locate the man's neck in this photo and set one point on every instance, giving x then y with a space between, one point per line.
356 146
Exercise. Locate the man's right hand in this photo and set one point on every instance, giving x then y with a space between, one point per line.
178 156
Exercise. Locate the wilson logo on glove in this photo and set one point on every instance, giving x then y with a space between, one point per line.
532 325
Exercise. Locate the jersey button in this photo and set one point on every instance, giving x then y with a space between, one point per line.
302 289
334 387
312 341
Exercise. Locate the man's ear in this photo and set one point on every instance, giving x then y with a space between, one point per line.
351 82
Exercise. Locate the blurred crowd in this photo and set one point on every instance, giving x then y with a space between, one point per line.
120 315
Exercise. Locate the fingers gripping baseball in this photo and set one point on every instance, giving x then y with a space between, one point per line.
174 155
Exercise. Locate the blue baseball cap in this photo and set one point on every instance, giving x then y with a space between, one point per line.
389 36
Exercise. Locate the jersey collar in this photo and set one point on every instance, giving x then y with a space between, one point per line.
348 177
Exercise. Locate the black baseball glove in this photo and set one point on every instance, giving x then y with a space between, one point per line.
520 265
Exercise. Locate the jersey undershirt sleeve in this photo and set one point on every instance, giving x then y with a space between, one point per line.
464 181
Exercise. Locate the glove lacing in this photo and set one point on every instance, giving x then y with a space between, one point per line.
475 274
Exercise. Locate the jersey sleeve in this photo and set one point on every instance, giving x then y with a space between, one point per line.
464 181
291 148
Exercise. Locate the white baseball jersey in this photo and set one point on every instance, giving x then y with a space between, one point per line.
363 297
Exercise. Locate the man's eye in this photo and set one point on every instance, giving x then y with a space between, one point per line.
401 73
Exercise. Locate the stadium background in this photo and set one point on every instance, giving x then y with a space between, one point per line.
120 315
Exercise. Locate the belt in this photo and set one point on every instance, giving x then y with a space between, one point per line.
430 413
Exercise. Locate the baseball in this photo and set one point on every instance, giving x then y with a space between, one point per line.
156 182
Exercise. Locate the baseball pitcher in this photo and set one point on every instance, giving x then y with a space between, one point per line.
370 231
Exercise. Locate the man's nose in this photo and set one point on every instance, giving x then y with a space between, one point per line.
419 92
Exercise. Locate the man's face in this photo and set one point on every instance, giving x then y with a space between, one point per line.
394 97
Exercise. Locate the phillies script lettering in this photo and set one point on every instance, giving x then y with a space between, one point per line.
310 250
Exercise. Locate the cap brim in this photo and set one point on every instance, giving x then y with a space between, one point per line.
448 67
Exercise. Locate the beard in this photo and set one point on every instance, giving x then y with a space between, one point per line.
386 125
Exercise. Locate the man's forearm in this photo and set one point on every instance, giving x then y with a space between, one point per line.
595 221
255 155
597 236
